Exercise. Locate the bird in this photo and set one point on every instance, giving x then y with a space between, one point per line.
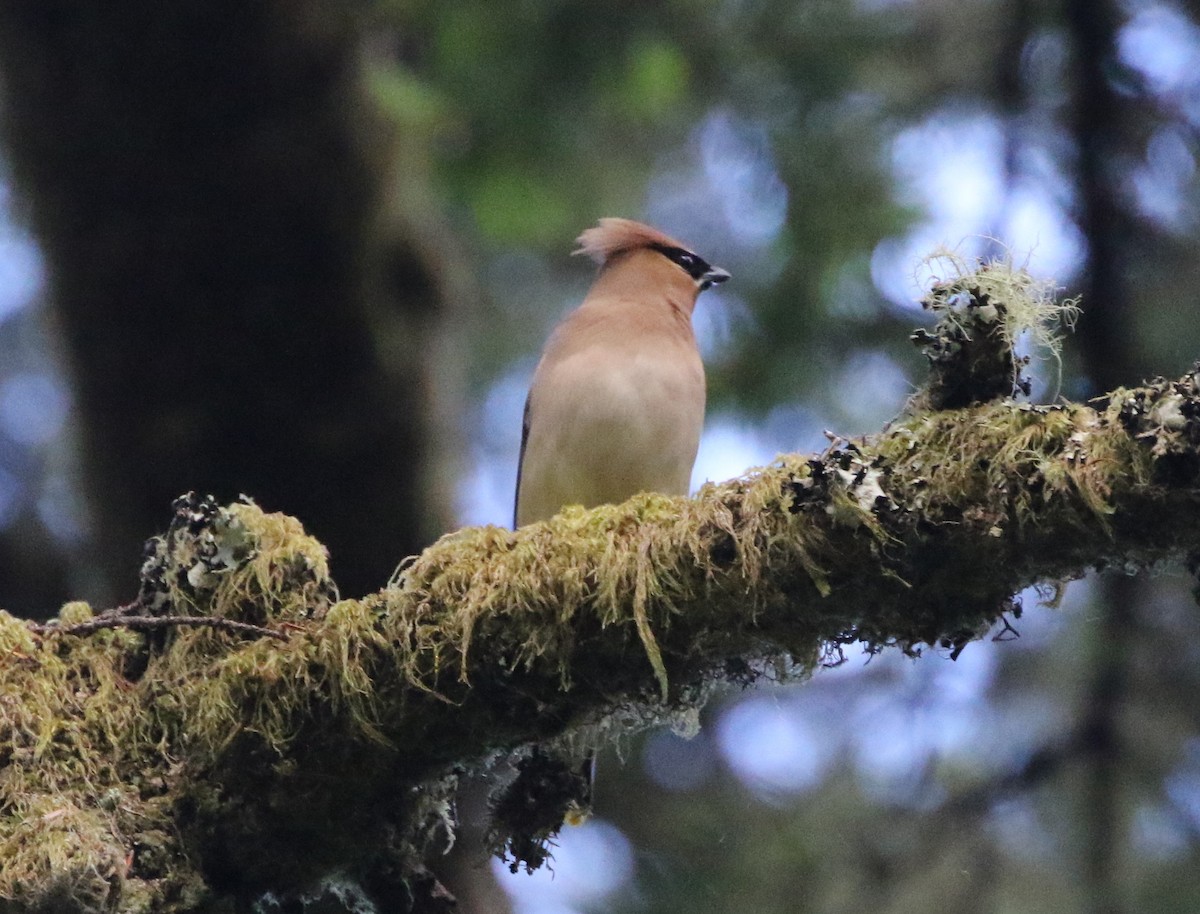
616 405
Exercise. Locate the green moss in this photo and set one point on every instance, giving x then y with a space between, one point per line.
332 745
65 715
76 732
983 309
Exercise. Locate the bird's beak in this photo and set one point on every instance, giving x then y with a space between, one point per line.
714 276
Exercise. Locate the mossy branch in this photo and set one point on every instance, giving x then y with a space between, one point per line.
138 768
300 734
122 618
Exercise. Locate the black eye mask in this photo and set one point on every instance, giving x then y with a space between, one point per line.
705 274
693 265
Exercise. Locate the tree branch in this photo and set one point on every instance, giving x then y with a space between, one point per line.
117 619
223 749
142 770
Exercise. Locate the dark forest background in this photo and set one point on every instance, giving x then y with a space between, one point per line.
308 251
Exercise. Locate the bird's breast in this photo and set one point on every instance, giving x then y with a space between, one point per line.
607 423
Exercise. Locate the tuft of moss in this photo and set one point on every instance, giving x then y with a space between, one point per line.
984 309
94 728
67 813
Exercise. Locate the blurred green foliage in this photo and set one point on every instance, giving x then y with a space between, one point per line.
545 116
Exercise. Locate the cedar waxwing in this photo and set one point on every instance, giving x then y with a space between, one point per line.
617 400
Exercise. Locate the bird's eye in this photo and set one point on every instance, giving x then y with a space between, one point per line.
694 266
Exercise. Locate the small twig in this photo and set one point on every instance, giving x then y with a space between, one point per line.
149 623
1007 633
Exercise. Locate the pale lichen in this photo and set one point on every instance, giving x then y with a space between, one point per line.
984 308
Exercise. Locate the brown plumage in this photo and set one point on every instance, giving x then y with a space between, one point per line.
617 401
613 235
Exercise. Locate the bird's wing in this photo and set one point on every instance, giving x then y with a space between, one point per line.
521 459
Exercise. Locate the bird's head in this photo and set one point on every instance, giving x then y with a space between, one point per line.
647 249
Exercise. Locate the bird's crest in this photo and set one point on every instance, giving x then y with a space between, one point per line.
612 236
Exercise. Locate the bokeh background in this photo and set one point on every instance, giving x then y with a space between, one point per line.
309 251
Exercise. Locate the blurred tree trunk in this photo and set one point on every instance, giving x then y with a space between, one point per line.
33 570
1105 333
1109 358
205 180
